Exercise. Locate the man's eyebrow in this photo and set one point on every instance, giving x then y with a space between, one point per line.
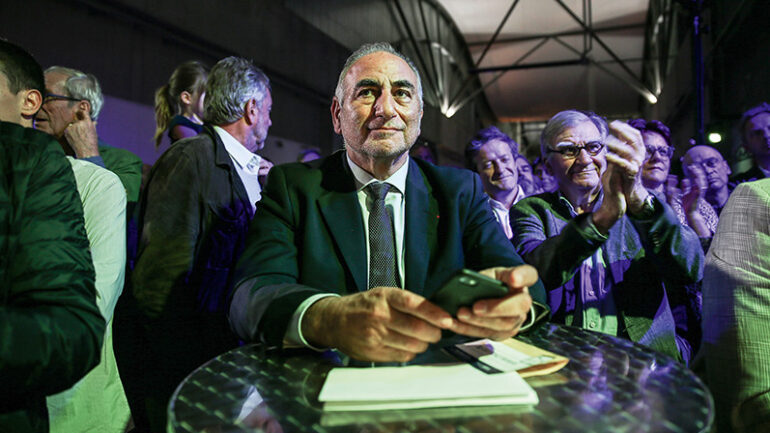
403 84
367 82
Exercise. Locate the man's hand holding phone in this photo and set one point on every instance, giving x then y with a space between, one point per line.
392 324
497 317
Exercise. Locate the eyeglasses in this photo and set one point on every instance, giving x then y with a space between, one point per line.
712 163
53 96
569 150
664 151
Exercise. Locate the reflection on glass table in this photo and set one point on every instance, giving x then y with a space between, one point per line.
609 385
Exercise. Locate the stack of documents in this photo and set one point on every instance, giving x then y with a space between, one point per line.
509 355
422 386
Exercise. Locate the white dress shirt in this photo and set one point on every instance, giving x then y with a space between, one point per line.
246 164
502 213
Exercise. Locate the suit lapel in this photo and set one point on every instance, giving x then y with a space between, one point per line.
420 224
342 214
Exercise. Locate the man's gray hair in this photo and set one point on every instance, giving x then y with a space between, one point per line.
365 50
764 107
80 85
569 119
232 82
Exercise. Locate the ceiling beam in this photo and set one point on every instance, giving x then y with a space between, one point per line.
560 34
497 32
415 45
600 42
581 61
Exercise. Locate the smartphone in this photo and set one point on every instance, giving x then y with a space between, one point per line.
466 287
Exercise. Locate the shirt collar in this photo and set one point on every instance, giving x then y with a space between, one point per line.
573 213
238 152
517 198
363 178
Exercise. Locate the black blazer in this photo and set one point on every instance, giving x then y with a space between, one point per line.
307 237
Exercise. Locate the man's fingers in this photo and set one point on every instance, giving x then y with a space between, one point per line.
626 133
417 306
406 343
515 304
629 168
505 329
414 329
521 276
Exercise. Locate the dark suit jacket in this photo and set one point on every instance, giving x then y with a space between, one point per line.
308 237
193 219
640 255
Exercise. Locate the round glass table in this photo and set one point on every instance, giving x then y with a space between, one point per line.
609 385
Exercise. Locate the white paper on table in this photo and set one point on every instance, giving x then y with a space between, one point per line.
420 386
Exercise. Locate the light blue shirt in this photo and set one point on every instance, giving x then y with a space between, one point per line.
97 402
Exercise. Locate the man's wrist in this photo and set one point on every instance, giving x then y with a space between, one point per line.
312 324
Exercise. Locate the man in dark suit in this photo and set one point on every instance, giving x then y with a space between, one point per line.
194 216
372 218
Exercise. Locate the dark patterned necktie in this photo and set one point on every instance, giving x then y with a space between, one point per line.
382 246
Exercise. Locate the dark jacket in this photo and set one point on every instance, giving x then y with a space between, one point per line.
193 219
752 174
308 237
50 328
640 255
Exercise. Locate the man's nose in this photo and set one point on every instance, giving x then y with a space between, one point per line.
384 106
583 156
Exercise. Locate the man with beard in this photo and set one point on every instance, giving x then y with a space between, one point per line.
344 251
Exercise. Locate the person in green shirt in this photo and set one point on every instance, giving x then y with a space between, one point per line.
50 325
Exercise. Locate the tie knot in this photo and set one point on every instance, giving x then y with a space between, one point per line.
378 190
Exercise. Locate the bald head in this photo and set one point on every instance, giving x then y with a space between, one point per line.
711 162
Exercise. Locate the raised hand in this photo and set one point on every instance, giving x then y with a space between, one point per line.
81 135
626 152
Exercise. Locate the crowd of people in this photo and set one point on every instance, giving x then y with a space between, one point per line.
112 295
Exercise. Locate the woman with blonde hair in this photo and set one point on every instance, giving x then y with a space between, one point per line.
179 103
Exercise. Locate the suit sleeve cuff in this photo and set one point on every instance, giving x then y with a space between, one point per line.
95 160
537 312
293 337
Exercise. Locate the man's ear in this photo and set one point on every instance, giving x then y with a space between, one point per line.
85 106
30 101
251 111
336 108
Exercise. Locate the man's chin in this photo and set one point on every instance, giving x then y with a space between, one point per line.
382 150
